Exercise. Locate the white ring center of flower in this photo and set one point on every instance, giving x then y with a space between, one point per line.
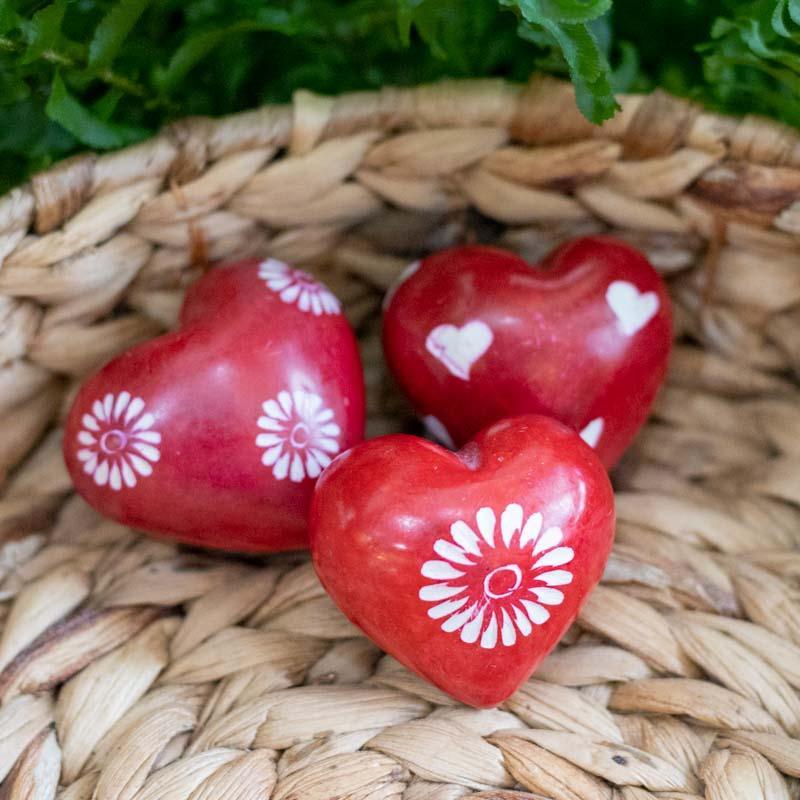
306 281
113 441
501 582
300 435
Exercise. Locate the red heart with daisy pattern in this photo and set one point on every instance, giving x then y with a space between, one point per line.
467 567
475 334
216 433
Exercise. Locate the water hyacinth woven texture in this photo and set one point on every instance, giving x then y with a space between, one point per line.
132 669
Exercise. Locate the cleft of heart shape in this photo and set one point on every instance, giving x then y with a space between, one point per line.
214 434
475 334
467 567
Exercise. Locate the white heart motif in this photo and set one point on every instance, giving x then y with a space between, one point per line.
459 348
593 431
632 308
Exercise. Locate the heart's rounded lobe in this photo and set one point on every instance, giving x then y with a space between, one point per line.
215 434
475 334
467 567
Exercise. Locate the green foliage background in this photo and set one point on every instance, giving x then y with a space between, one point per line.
105 73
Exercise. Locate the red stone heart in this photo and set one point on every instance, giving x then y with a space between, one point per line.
475 334
468 567
215 434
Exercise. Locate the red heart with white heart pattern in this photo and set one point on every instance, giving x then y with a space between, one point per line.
475 334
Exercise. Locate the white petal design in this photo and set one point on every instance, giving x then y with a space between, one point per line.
290 293
99 411
152 437
523 623
145 422
508 633
269 424
489 637
465 537
558 577
272 455
486 521
510 522
273 410
115 477
435 592
90 423
472 630
440 571
128 475
140 465
328 445
281 468
135 408
313 403
458 619
548 596
321 457
552 537
301 404
297 472
123 398
531 530
313 467
118 440
497 597
285 401
101 474
537 614
330 303
555 558
293 286
147 450
446 608
451 552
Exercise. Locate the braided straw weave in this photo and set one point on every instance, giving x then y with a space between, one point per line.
132 669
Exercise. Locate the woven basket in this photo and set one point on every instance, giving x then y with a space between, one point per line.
132 669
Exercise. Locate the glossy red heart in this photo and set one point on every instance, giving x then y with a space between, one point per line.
216 433
467 567
475 334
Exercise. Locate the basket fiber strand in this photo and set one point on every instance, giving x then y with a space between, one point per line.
132 669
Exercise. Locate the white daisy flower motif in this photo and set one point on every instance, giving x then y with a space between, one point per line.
299 435
492 587
118 443
296 287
